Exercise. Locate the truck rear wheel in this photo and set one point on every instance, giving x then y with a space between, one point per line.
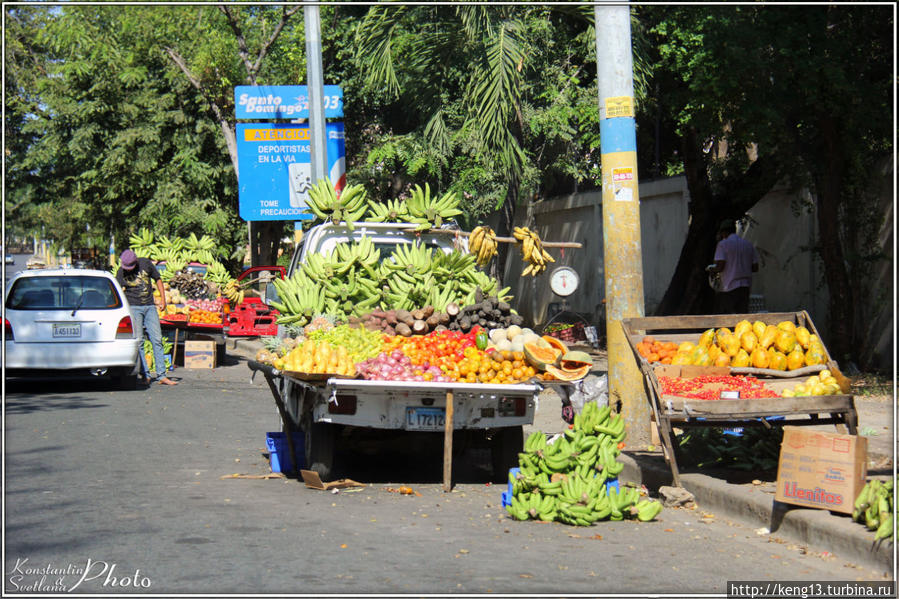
507 443
321 443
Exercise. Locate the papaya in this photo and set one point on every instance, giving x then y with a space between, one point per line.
567 375
715 351
707 338
681 358
785 341
802 337
768 337
723 359
541 357
759 358
795 359
758 327
722 331
741 360
748 341
742 327
729 344
777 361
815 355
700 357
686 347
786 325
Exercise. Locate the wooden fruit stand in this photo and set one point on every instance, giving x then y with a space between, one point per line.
670 411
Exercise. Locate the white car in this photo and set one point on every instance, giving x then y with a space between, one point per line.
69 322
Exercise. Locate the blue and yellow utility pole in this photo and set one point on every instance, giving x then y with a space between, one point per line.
623 258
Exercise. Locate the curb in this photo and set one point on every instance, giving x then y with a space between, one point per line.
818 529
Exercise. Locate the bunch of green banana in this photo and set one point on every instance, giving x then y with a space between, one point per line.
532 251
874 507
428 212
300 299
347 208
172 267
393 211
482 244
142 239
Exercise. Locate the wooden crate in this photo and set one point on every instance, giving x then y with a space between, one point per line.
682 412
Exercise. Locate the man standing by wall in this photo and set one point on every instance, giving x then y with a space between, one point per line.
736 260
137 277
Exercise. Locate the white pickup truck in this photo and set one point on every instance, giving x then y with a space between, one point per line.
489 415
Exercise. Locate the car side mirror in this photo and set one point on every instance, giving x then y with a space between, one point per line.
271 293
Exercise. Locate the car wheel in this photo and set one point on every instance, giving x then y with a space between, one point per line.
321 445
508 442
126 379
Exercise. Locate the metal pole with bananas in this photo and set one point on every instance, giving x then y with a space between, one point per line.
622 252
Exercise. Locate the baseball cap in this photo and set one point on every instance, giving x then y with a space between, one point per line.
129 260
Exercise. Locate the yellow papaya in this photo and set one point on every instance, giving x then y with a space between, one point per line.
786 325
785 341
714 352
802 337
681 358
724 360
721 332
707 338
815 355
748 341
768 337
700 357
795 359
758 327
759 358
729 344
777 361
686 347
741 360
741 328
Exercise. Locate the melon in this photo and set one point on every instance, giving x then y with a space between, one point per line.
575 360
556 343
513 331
566 375
541 357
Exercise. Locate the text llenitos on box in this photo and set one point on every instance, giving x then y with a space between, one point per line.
822 470
199 354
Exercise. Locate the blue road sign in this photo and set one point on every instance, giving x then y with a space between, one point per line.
275 170
283 102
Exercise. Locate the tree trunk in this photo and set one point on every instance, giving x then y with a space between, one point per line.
841 303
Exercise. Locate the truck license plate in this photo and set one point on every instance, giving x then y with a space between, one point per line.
425 419
66 330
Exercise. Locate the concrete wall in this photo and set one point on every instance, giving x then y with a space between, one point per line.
782 226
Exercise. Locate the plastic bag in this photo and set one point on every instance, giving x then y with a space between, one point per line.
590 388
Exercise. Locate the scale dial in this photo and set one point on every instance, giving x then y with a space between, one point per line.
563 281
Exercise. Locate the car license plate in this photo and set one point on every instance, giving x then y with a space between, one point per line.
425 419
66 330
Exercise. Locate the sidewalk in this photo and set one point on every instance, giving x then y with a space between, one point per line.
744 502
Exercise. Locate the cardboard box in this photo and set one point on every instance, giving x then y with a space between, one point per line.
199 354
822 470
314 481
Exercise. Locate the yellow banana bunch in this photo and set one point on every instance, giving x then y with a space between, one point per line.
482 244
233 292
532 251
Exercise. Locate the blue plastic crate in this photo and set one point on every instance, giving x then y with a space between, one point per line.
279 454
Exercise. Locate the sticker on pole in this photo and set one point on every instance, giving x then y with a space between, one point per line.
619 106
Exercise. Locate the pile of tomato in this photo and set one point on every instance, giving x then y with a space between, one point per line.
458 357
710 387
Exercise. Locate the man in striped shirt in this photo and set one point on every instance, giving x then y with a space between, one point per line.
736 260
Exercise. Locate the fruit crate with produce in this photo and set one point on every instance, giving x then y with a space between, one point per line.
388 321
737 370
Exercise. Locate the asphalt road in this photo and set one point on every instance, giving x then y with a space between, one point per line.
123 492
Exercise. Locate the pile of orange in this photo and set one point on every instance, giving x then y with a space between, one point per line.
657 351
205 317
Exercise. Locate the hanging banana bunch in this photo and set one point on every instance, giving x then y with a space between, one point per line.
233 292
348 208
532 251
428 212
482 244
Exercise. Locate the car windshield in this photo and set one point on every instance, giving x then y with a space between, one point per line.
63 292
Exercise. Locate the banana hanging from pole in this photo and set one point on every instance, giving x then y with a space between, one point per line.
482 244
532 251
